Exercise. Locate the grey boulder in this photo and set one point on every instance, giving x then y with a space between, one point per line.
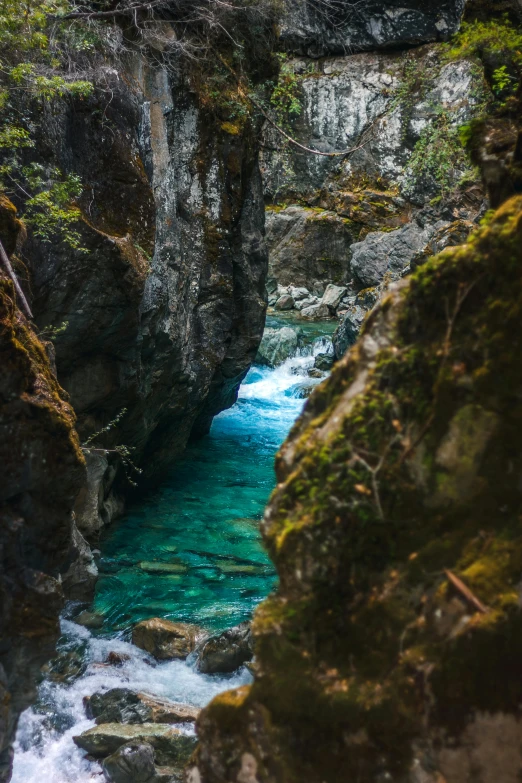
277 345
333 295
132 763
122 705
164 639
170 745
227 651
285 302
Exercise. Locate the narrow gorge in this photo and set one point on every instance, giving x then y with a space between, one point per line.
234 233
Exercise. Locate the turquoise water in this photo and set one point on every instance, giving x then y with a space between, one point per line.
191 551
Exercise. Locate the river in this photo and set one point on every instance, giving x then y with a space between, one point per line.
191 552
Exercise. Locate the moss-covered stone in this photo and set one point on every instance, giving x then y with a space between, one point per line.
395 529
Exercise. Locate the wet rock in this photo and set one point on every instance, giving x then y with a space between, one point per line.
170 745
277 345
132 763
91 620
332 296
122 705
285 302
324 361
298 293
117 658
66 667
318 312
315 373
164 639
227 651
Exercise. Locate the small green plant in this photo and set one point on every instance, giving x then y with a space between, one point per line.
411 89
439 155
479 39
52 332
124 452
501 81
286 97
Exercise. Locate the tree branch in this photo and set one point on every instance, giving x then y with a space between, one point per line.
10 271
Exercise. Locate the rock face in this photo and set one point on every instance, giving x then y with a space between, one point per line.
42 471
121 705
165 640
403 473
166 308
317 29
369 216
227 651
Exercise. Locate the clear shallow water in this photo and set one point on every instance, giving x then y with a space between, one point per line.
189 552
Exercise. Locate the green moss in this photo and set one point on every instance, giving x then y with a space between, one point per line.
403 469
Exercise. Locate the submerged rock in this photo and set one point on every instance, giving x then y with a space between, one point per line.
164 639
122 705
404 473
171 746
277 346
227 651
92 620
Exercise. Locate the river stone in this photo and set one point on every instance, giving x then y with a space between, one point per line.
308 302
164 639
285 302
277 345
132 763
170 744
333 295
316 312
91 620
122 705
324 361
227 651
348 330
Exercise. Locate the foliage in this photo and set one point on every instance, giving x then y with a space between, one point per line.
124 452
439 155
411 89
52 332
286 96
34 71
482 39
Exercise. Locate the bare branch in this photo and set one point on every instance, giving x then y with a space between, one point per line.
18 288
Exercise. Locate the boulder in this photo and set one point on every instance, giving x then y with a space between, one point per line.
391 252
164 639
122 705
277 345
91 620
285 302
171 745
348 330
79 580
333 295
318 312
299 293
227 651
324 361
132 763
116 658
308 302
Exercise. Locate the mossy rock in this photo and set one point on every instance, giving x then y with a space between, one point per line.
394 640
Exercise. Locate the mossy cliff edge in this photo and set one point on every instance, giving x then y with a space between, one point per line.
392 649
42 471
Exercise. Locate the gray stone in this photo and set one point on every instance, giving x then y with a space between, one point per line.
324 362
332 296
93 620
79 580
227 651
299 293
132 763
285 302
122 705
390 253
318 312
164 639
318 29
348 330
277 345
170 744
308 302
